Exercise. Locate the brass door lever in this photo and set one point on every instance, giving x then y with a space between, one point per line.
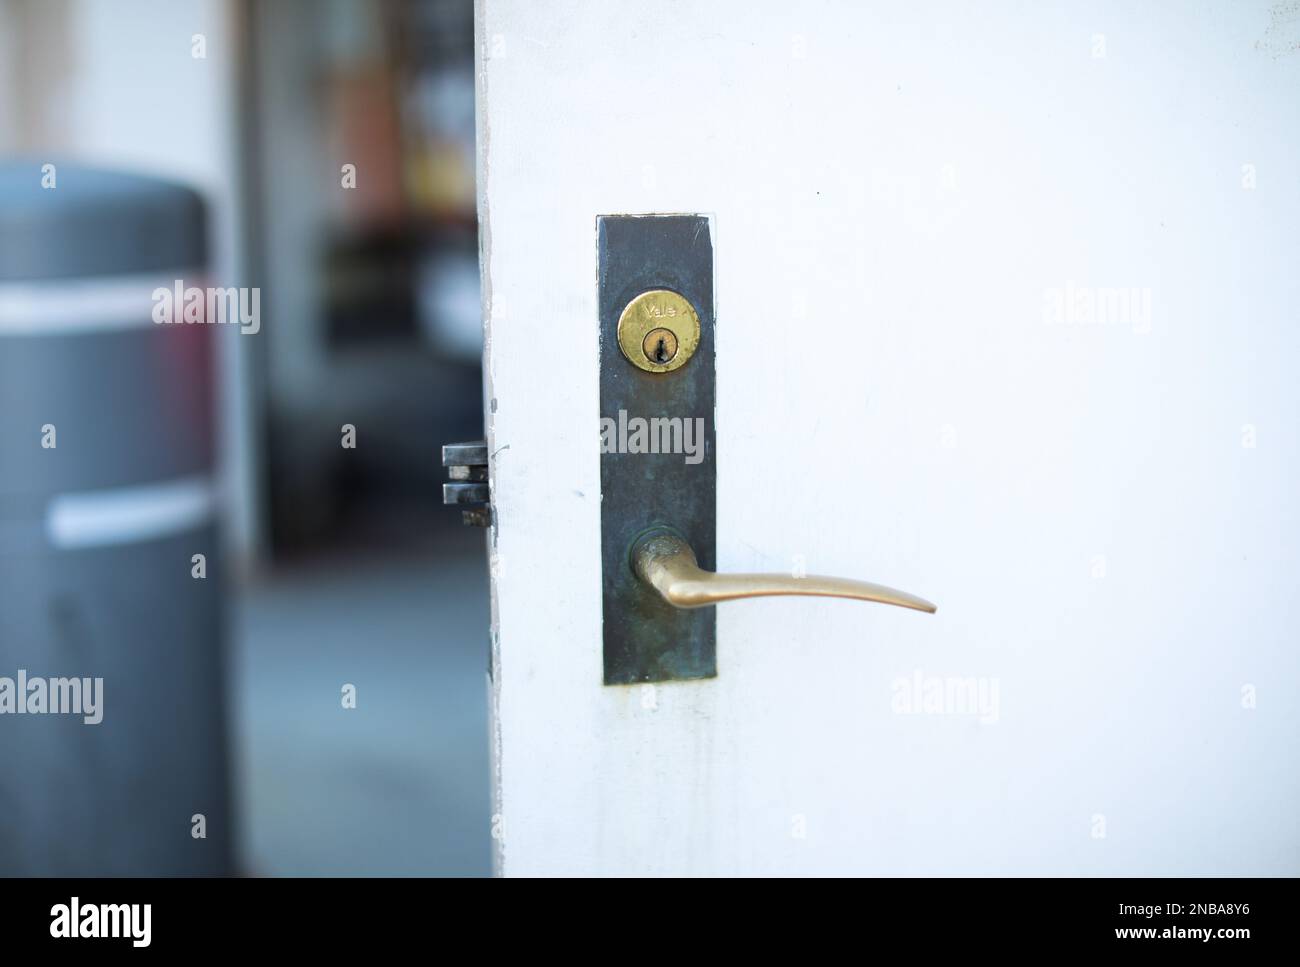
666 563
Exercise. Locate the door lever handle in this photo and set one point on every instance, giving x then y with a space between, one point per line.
667 564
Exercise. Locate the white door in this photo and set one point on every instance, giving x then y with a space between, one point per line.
1006 316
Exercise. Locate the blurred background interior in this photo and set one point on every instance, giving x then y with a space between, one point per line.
342 566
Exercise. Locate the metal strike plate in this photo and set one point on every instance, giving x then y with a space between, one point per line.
658 459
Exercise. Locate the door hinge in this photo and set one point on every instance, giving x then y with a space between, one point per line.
467 468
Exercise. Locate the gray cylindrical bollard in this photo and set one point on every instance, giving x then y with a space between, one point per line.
106 498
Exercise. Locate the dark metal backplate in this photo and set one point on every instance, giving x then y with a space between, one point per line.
647 640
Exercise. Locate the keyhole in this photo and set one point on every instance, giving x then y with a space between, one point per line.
660 346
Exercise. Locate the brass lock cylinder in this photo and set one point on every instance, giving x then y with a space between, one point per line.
659 331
